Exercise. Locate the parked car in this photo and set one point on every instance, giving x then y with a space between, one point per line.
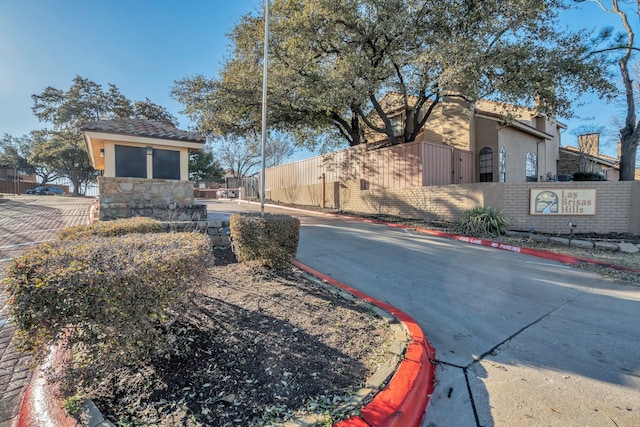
54 191
45 191
37 190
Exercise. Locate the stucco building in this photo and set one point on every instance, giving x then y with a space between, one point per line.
510 143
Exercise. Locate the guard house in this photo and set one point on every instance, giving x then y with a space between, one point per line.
146 169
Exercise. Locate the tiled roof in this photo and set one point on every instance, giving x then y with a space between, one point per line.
142 128
601 158
514 122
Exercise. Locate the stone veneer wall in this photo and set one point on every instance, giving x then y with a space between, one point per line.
162 199
617 203
568 163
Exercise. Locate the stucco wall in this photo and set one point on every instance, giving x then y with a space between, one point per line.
617 203
517 146
110 157
455 124
156 198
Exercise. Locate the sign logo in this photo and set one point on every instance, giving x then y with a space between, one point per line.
562 202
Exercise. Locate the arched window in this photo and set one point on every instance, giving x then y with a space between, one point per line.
532 167
502 164
486 165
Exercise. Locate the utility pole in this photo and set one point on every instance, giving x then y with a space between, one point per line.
264 101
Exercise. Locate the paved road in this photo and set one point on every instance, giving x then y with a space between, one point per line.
520 341
25 220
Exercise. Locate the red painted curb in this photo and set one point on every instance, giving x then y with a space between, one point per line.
352 422
527 251
39 405
403 401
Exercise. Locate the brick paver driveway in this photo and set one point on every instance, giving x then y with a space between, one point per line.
24 221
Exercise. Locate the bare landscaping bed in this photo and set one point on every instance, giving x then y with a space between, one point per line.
255 347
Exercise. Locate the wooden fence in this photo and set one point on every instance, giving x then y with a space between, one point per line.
413 164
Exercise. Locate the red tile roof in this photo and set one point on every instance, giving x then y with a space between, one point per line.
143 128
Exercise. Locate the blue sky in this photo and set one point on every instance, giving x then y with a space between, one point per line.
143 46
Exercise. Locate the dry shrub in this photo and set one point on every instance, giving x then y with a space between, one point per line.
482 221
105 298
117 227
271 240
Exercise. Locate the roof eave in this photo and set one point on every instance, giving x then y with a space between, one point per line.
516 125
106 136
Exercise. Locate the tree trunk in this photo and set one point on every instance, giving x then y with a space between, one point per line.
628 149
630 133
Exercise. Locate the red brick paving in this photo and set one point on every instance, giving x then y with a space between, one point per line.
25 220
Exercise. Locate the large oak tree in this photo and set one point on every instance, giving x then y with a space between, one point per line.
332 61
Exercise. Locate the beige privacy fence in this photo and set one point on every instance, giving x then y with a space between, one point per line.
405 165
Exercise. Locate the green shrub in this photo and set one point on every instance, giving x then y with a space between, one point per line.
271 240
105 298
481 221
117 227
588 176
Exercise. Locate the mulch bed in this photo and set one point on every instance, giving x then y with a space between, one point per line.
255 346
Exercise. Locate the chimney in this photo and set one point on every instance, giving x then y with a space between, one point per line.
589 144
540 122
619 149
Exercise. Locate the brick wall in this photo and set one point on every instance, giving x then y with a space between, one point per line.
155 198
613 208
617 203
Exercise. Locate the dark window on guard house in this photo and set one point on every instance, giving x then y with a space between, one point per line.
166 164
131 162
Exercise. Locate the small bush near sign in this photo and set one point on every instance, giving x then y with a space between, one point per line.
588 176
481 221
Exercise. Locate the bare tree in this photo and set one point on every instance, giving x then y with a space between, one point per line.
243 156
617 122
623 45
589 138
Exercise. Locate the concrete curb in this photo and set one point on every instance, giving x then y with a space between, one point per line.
404 400
41 407
569 259
37 408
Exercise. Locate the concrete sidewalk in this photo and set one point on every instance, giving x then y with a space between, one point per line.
25 221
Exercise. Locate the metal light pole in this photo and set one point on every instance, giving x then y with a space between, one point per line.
264 101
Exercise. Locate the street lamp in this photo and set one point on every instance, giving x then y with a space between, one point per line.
264 101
